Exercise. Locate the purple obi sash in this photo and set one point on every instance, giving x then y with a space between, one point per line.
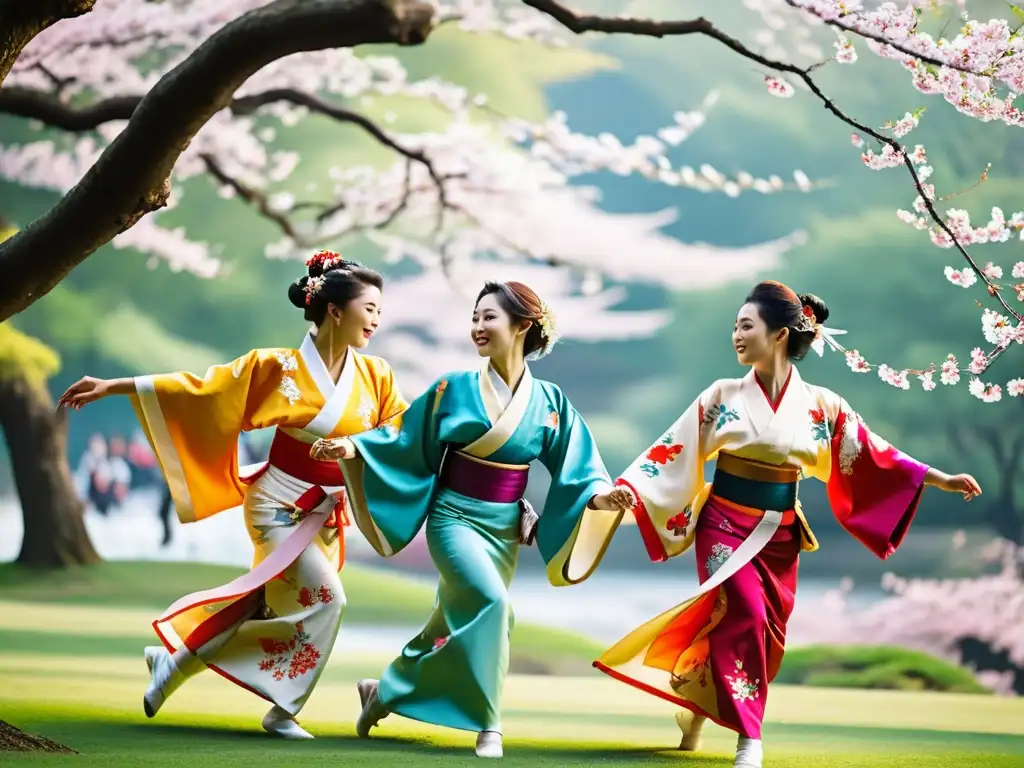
484 482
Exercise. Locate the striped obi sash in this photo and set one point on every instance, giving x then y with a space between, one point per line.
754 486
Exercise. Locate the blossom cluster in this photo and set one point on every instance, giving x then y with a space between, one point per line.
980 71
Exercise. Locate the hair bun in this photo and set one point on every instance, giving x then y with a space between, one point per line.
818 307
297 292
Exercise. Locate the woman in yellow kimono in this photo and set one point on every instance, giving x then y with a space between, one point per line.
271 630
715 653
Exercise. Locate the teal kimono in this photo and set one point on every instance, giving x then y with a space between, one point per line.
453 672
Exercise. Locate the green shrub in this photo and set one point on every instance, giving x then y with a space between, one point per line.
856 666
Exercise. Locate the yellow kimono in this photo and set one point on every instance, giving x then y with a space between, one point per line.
271 630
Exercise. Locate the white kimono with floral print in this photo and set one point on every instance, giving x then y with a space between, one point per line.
813 429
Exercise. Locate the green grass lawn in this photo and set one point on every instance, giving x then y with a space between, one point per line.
549 721
120 599
71 670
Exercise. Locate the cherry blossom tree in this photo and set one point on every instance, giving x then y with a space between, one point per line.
973 621
161 92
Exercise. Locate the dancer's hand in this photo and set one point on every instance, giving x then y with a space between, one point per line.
84 391
963 484
616 500
332 450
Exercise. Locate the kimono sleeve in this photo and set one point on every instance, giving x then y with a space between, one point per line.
391 402
193 425
391 482
666 480
873 488
572 536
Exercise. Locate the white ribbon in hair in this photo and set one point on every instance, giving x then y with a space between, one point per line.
823 336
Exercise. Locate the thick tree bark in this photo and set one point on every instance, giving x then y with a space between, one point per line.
55 533
22 20
131 178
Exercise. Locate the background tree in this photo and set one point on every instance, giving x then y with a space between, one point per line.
467 189
52 514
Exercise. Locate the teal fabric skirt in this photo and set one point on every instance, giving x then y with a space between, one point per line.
453 673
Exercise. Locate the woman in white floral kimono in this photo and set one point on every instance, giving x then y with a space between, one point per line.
715 653
271 630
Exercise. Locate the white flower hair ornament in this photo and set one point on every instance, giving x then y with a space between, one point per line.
313 286
822 334
549 327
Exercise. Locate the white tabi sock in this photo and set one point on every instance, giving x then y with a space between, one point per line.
167 673
488 744
280 723
749 753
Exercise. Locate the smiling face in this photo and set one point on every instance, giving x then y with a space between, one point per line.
357 321
751 338
493 332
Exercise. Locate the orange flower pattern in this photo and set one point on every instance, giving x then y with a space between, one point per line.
678 524
661 454
290 659
310 597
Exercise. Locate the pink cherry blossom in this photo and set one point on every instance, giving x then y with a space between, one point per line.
950 371
512 184
778 87
965 278
988 393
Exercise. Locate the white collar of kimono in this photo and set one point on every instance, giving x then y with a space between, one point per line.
336 396
777 429
502 395
505 409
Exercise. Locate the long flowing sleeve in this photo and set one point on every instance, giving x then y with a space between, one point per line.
572 536
667 480
193 425
391 482
392 403
873 488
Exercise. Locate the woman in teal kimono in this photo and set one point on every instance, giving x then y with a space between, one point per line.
459 464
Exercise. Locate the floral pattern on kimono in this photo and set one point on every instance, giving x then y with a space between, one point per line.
294 658
742 687
660 455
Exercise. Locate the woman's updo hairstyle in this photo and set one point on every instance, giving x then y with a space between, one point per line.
330 279
521 302
780 307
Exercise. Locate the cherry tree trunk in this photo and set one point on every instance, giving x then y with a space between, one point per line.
55 533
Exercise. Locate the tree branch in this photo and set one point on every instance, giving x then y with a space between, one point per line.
580 23
254 197
22 20
136 165
50 110
879 38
